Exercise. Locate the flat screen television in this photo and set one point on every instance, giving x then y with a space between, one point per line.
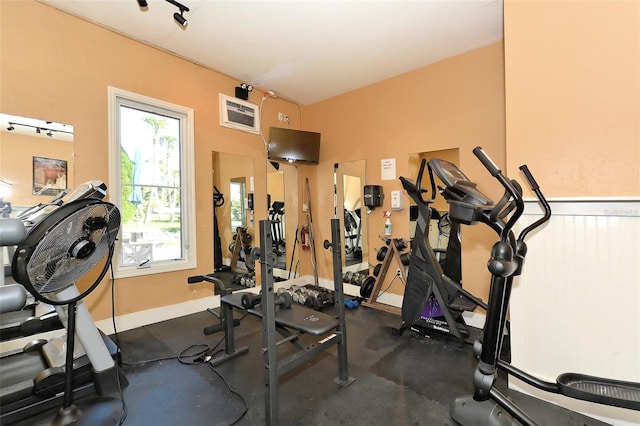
294 146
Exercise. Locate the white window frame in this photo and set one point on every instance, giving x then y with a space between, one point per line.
118 97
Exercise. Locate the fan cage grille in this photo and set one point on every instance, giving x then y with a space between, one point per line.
52 267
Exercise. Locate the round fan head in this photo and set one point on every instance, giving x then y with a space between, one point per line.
66 245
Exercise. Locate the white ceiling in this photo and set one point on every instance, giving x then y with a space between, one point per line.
305 51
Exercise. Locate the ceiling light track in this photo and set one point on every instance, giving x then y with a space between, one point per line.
39 129
178 16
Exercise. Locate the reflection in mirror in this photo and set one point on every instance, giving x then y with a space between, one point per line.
36 163
350 178
282 197
440 227
234 232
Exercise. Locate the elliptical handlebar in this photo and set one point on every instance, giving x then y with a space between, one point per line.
543 201
495 171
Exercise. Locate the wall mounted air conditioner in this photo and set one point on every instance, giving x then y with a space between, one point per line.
239 114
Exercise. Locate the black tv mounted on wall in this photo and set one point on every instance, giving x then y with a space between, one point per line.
294 146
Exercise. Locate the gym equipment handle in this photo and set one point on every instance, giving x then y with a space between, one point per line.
486 161
527 174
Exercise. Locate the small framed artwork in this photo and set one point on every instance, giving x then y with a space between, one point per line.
49 176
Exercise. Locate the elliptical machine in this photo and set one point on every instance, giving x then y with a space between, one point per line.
488 406
432 300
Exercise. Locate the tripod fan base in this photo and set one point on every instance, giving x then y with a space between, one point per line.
67 416
96 412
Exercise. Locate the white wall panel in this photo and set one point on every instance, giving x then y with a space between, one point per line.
576 308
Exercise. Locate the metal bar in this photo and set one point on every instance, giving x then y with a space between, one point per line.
511 408
343 364
294 360
268 325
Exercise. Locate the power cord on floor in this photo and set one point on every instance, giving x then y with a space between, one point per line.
234 392
123 414
205 356
201 356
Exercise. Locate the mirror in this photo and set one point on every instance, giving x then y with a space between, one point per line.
350 178
234 230
282 197
36 163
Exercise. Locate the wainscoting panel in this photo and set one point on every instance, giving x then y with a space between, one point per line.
576 308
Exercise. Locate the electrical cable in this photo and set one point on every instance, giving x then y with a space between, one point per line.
203 356
124 413
234 392
380 293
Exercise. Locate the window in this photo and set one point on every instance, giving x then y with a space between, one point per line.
238 212
151 182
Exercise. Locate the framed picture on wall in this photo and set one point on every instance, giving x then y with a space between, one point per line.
49 176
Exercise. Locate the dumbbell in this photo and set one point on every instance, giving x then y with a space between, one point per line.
358 279
351 303
322 300
249 300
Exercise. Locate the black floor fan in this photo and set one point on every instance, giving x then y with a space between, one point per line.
64 246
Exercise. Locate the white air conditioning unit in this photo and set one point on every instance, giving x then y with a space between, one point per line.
238 114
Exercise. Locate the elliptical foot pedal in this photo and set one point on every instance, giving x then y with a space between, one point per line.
461 304
603 391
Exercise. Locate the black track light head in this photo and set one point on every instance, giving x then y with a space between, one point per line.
10 128
143 3
180 19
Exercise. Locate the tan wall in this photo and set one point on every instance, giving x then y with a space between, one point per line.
456 103
57 67
275 185
573 95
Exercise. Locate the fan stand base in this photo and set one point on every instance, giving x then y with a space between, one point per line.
67 416
101 411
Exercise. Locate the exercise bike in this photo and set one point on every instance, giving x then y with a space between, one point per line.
488 406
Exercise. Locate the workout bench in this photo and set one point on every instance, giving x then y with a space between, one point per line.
290 323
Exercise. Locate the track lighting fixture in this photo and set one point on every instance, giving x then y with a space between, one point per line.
39 130
178 17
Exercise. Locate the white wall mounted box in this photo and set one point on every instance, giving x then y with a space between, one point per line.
396 200
239 114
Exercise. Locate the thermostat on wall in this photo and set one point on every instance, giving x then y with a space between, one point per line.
396 200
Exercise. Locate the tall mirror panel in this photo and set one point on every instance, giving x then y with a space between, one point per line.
233 218
282 199
36 165
350 178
